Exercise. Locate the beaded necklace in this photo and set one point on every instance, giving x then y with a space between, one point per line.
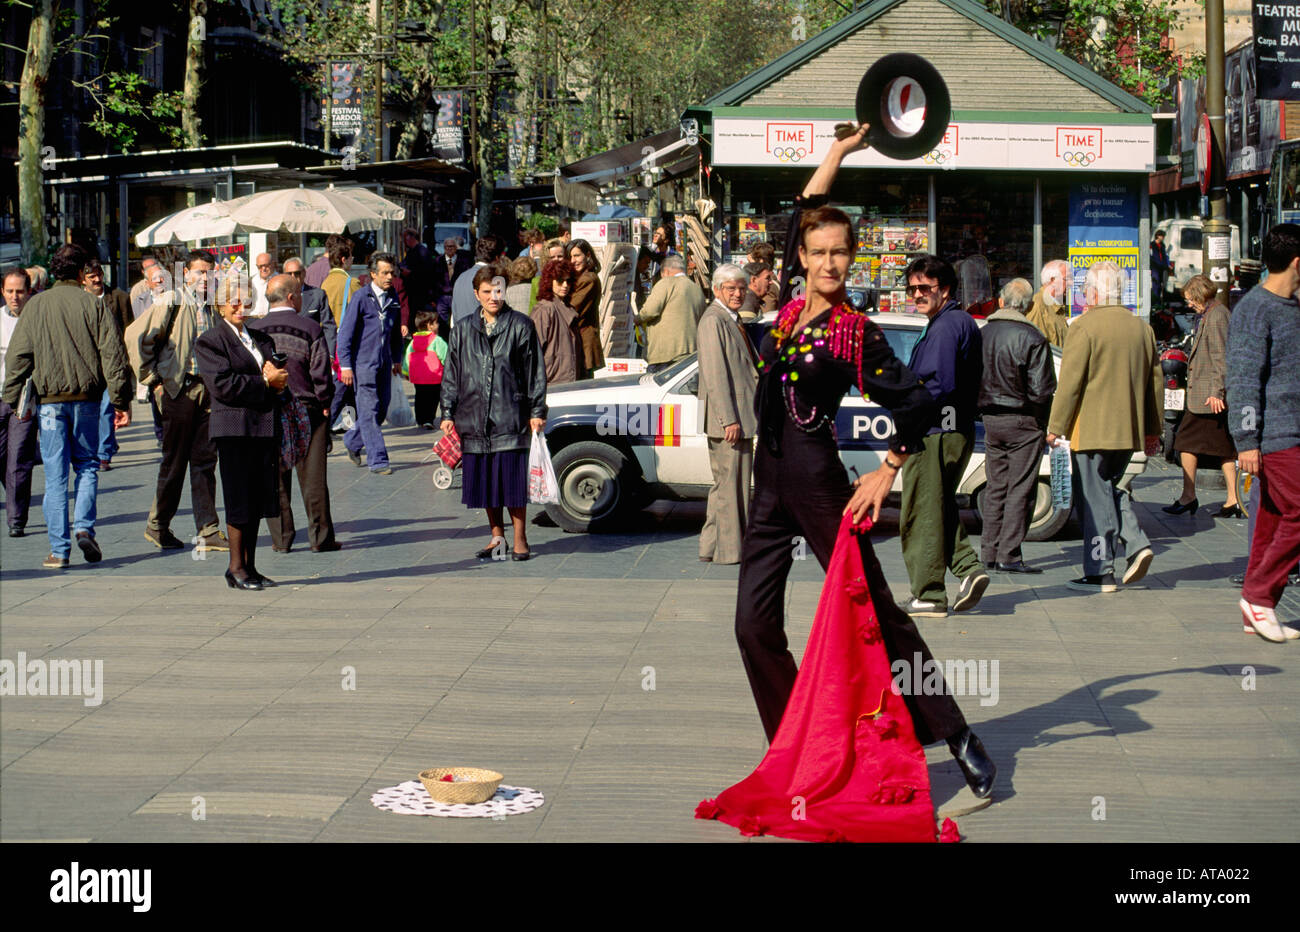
842 336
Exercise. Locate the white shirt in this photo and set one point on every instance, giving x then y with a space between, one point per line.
8 320
261 307
245 339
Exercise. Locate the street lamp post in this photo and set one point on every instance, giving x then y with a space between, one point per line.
1216 252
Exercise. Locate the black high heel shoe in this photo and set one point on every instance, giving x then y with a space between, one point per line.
234 582
248 583
1178 508
266 583
1229 511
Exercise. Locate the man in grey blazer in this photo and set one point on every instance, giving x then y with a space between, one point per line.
315 303
728 379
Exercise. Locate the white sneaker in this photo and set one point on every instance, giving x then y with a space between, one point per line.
919 609
1138 566
1265 622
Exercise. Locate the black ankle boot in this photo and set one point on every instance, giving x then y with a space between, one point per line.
975 763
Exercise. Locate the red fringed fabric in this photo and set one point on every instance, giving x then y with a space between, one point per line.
845 764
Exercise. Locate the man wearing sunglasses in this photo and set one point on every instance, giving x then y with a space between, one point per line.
948 359
315 303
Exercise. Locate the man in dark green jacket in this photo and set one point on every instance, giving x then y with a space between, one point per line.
70 349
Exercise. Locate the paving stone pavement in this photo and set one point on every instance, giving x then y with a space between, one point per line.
1149 707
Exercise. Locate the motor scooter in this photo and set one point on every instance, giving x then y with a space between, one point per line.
1173 364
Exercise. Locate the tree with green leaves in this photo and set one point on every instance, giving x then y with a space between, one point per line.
31 132
1125 41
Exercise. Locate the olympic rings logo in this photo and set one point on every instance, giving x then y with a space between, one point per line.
789 153
936 157
1082 159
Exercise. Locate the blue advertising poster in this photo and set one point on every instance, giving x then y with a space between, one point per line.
1104 226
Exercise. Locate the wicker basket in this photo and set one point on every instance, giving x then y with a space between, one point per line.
480 787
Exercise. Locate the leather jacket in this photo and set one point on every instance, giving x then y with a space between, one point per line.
492 386
1019 374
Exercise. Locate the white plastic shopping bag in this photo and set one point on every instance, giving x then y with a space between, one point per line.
1062 484
400 413
543 489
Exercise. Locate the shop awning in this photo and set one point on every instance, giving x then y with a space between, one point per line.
426 174
580 184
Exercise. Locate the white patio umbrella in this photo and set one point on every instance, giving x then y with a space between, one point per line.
307 210
202 221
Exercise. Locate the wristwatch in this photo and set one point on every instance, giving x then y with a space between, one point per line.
894 466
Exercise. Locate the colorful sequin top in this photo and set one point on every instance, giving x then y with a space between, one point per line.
804 376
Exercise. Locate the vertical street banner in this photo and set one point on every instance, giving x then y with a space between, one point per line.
347 111
1276 29
444 125
1104 226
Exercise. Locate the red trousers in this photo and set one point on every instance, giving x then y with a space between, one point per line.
1276 545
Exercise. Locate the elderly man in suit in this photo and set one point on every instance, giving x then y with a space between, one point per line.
302 340
448 267
728 379
314 304
1109 406
1049 313
670 316
366 360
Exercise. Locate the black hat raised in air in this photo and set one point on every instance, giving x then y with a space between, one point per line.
906 103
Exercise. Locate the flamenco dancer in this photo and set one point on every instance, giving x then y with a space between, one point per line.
818 349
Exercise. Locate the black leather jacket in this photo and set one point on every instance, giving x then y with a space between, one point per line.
1019 375
491 386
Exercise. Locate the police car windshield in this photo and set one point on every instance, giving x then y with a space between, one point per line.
664 376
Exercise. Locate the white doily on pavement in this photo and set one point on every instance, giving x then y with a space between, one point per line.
411 798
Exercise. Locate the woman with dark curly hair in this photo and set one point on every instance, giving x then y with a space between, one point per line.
557 324
586 302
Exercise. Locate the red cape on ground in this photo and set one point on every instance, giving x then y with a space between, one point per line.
845 764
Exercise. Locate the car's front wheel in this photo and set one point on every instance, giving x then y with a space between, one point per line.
1046 522
598 486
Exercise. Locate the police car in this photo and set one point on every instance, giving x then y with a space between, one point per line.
620 443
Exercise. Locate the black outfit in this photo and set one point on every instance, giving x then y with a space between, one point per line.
491 387
17 460
417 268
316 308
426 403
444 282
244 423
801 489
1015 397
311 382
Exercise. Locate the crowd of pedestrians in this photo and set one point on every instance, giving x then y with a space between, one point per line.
249 375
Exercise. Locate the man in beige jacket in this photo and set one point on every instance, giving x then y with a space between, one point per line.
161 346
1108 405
1049 313
670 316
728 379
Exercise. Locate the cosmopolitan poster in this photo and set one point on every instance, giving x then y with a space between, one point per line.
1104 226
